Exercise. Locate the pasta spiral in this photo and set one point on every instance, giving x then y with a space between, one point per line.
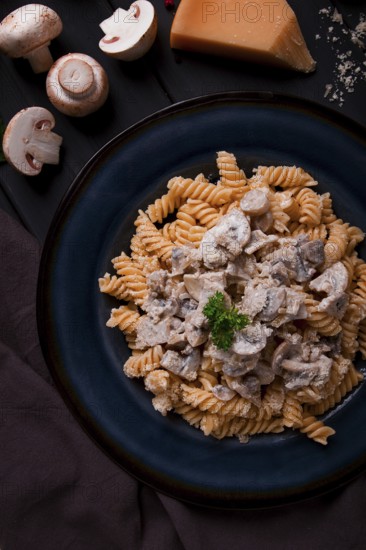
152 238
138 366
164 206
125 318
230 174
310 207
208 192
132 276
316 430
285 176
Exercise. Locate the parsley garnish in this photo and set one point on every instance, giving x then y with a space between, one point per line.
223 321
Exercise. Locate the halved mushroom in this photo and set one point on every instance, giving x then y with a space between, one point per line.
27 32
255 203
77 85
29 143
196 283
130 34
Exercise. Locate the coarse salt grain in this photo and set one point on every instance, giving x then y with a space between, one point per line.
347 73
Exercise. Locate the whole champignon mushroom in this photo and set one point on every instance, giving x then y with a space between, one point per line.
77 85
29 143
130 34
27 32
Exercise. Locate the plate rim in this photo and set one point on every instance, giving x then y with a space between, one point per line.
62 384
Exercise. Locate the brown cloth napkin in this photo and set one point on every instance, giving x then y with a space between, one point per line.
59 491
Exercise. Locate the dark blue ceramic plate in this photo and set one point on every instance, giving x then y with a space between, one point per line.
95 222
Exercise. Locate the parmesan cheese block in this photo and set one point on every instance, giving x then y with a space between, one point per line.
260 31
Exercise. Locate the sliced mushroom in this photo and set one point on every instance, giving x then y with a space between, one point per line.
274 300
77 85
313 252
29 142
212 282
184 366
223 392
263 222
258 240
177 341
238 366
247 386
27 32
333 281
195 335
254 299
185 259
130 34
150 333
157 308
299 373
250 340
156 282
282 352
255 203
279 273
213 255
232 232
264 372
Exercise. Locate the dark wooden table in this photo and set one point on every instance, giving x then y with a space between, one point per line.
161 78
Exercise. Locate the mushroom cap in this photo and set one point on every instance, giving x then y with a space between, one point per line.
130 34
28 28
77 84
18 138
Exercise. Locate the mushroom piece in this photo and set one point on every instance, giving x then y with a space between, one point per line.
274 300
255 203
130 34
184 366
263 222
223 392
333 281
226 240
29 142
251 340
258 240
299 373
27 32
313 252
282 352
247 386
77 85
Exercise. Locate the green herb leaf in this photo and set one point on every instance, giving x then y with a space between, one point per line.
2 130
223 321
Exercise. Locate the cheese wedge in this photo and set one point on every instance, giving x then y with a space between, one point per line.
260 31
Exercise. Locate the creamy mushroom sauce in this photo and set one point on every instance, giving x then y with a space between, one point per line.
266 277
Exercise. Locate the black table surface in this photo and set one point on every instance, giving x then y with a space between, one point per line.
161 78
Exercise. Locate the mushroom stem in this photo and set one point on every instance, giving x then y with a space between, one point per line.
41 59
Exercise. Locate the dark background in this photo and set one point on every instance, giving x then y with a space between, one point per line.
161 78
